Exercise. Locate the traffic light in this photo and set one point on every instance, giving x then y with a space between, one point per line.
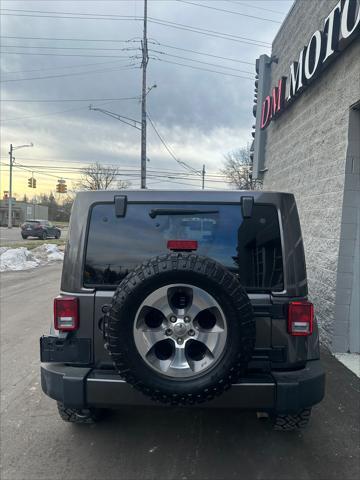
61 187
32 182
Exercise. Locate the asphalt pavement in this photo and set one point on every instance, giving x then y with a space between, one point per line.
13 236
160 442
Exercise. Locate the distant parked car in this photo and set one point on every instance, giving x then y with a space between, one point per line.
39 228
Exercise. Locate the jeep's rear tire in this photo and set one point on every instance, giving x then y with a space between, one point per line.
78 415
180 328
288 422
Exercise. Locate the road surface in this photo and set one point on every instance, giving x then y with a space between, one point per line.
154 443
13 235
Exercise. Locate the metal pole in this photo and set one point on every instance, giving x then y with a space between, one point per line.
10 188
203 177
145 59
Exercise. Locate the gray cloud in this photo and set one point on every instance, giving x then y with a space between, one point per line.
202 115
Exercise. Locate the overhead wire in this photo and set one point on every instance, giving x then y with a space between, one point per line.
128 168
131 66
201 62
210 33
97 16
65 55
177 160
228 11
265 9
67 39
200 53
200 68
60 67
150 20
47 47
132 40
46 114
60 100
132 175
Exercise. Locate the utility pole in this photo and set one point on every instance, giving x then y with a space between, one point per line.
203 177
10 188
10 179
145 60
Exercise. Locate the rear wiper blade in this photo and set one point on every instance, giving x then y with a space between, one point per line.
178 211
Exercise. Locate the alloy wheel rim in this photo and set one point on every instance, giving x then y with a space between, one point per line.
180 331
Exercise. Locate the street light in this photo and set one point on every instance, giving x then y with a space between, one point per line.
10 179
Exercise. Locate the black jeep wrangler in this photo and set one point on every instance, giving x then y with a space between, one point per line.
184 298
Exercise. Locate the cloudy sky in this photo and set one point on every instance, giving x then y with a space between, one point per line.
57 57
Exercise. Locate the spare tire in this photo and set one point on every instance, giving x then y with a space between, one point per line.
180 328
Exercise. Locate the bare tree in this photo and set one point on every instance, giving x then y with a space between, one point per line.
100 177
238 169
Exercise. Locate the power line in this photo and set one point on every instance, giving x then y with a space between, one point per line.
90 16
180 162
105 63
128 168
150 19
128 49
67 39
200 68
58 67
201 62
215 177
255 7
228 11
112 15
101 16
132 40
60 100
202 53
66 55
210 33
43 114
131 66
22 167
135 175
134 49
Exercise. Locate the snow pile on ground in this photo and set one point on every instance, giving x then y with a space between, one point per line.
48 253
23 259
17 259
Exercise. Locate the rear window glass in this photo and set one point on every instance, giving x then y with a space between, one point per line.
250 247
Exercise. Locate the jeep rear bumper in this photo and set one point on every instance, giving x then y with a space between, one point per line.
282 392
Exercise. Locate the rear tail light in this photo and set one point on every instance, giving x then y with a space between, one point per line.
300 318
66 314
182 245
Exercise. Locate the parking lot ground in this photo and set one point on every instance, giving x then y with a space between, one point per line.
160 442
12 236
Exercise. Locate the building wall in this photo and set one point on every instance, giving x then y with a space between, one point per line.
347 303
32 211
22 211
306 150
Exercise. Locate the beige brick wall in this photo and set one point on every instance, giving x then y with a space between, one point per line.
306 150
